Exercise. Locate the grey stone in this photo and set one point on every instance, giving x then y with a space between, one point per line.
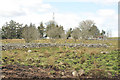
37 45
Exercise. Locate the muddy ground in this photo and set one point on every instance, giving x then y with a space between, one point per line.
19 72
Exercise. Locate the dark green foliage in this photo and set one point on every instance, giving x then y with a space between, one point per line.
87 29
41 30
12 30
103 33
94 31
68 34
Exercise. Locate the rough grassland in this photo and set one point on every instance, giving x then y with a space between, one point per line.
96 62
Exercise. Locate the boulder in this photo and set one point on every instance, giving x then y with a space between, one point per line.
29 51
75 73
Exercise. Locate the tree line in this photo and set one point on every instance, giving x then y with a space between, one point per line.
14 30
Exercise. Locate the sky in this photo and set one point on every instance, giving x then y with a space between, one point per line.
68 13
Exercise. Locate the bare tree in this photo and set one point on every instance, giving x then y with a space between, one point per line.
56 32
76 34
85 27
49 26
30 33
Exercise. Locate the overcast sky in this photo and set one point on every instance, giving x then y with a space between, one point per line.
67 12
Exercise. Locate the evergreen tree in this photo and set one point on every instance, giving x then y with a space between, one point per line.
94 31
41 30
11 30
103 33
69 32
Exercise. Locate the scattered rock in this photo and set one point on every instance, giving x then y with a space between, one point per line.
81 72
63 73
21 71
109 75
110 43
103 52
60 63
63 77
74 73
2 76
29 51
106 52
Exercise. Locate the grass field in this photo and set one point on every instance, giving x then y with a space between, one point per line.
115 42
91 60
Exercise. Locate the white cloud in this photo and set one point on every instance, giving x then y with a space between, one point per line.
106 12
106 19
103 21
68 20
9 8
92 1
22 10
99 1
26 11
110 20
